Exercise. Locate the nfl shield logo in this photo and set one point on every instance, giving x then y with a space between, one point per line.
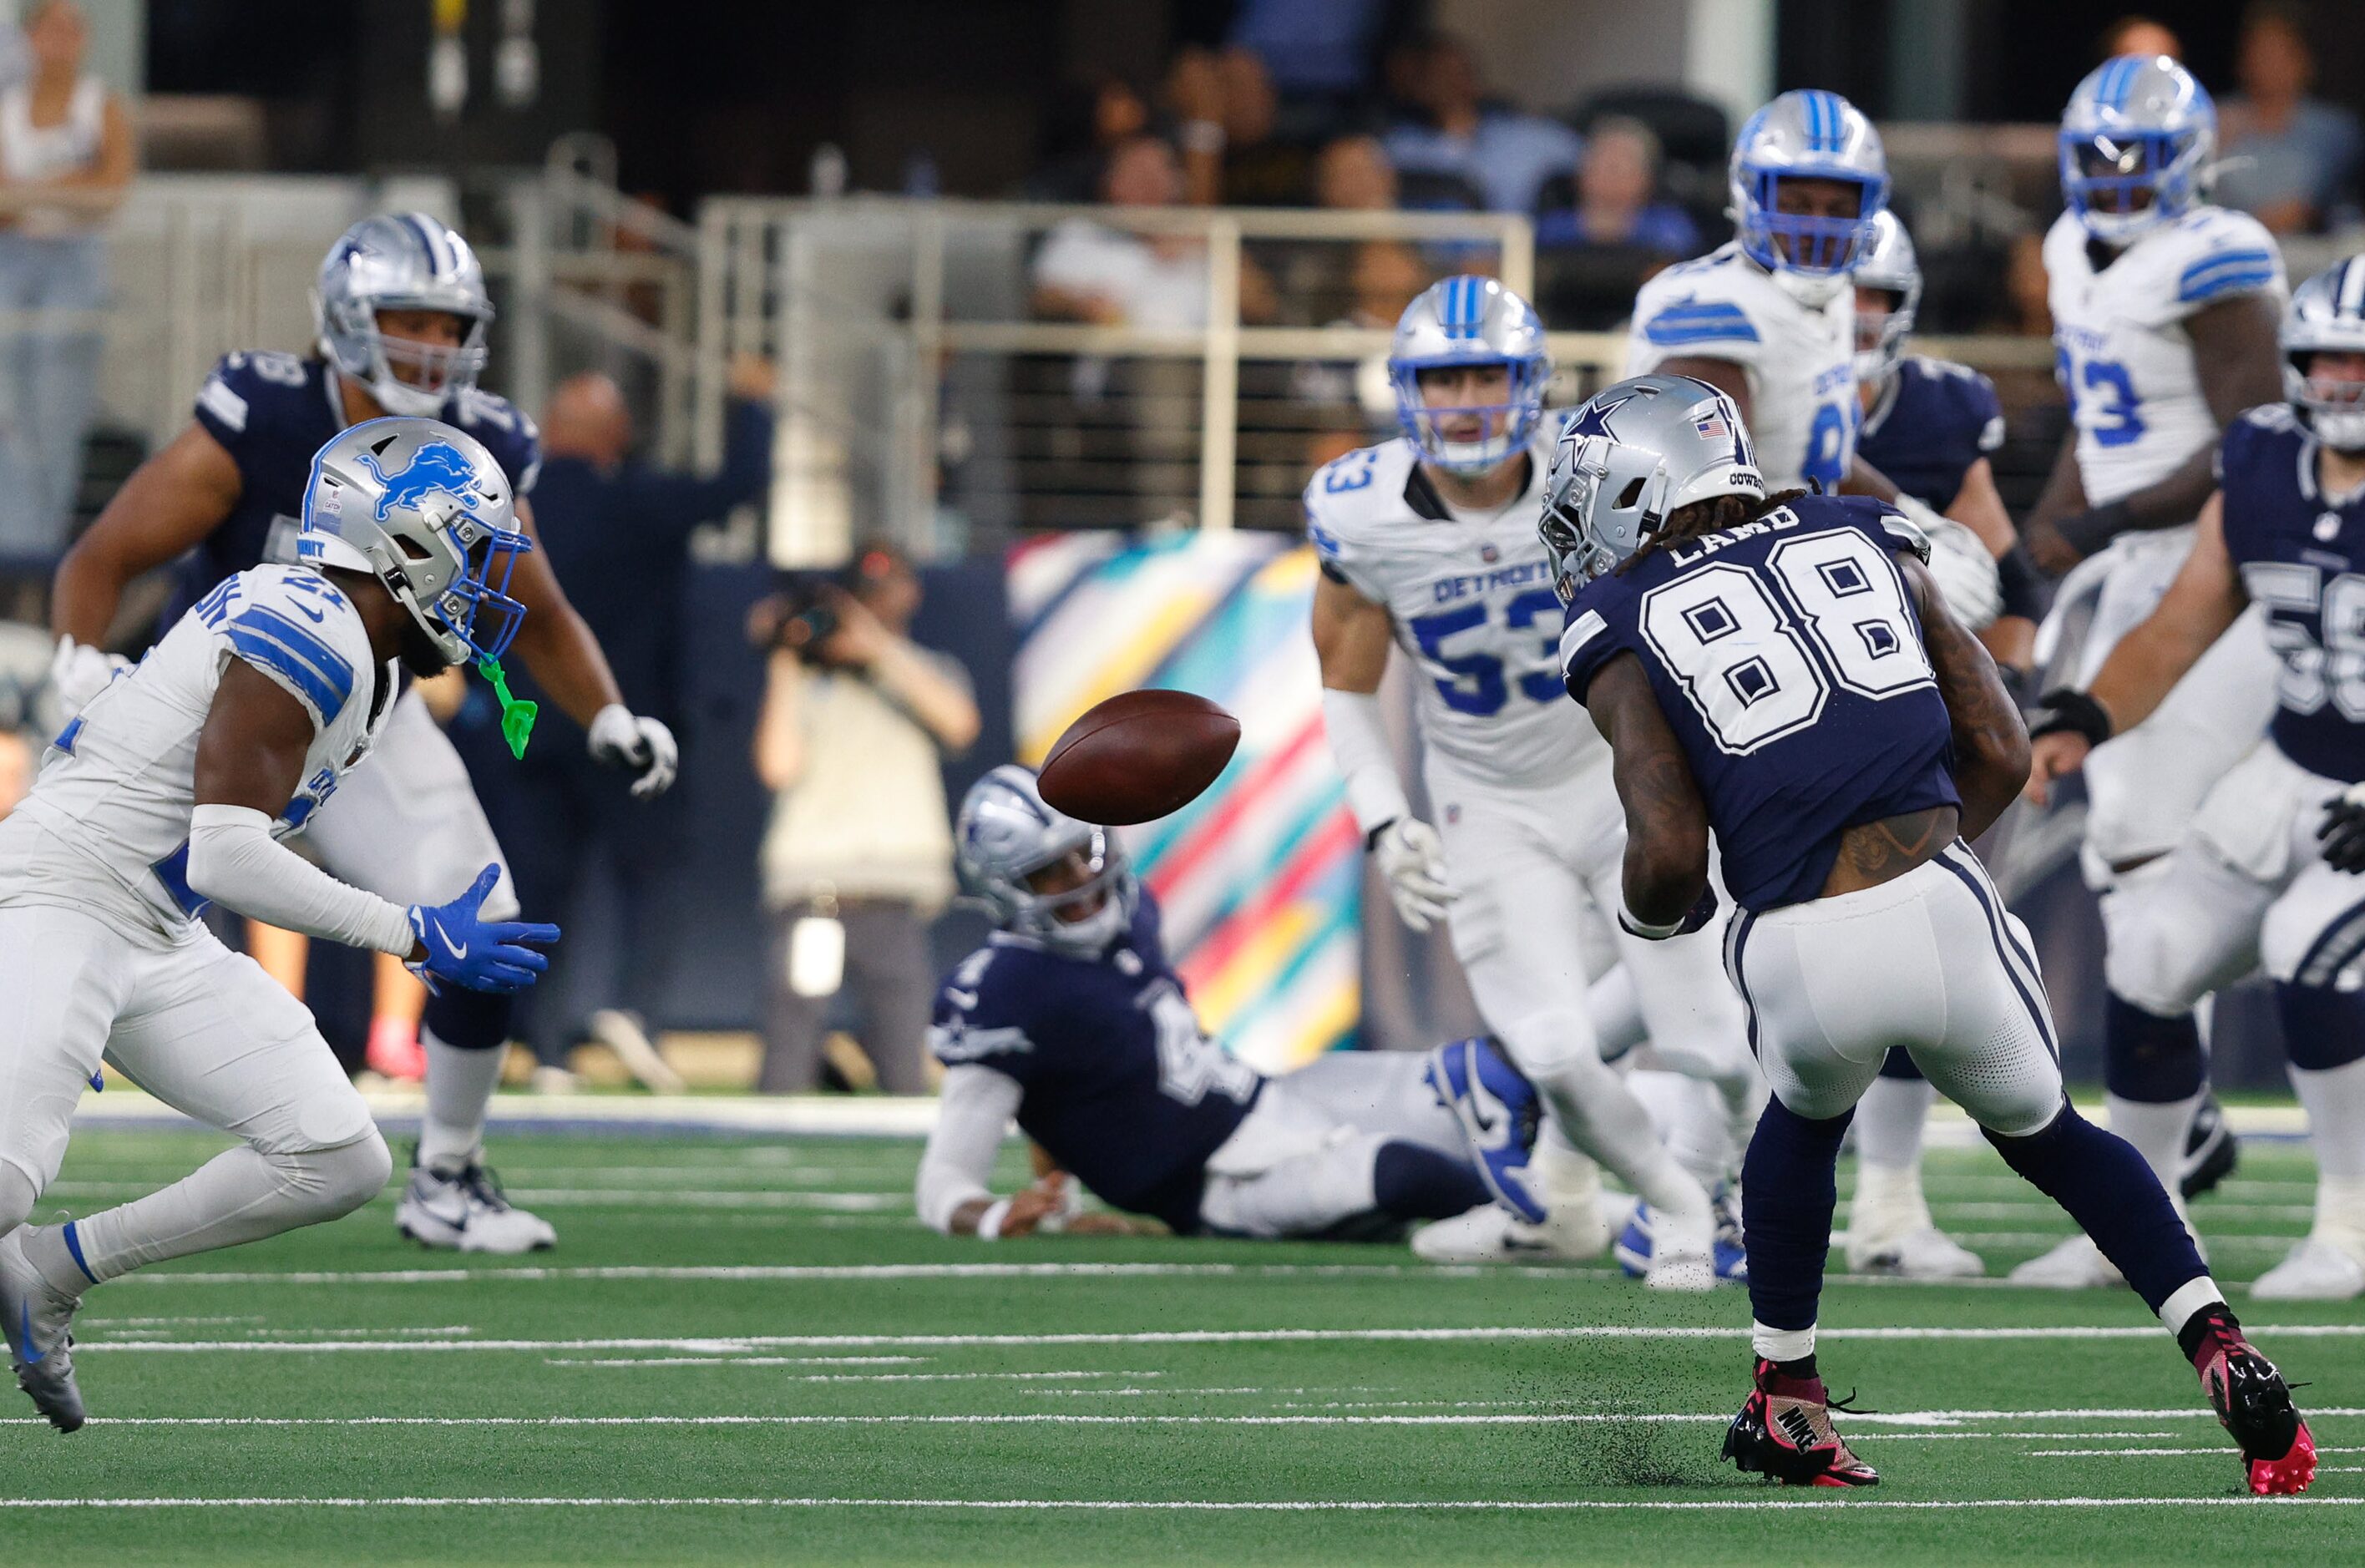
1489 554
1453 813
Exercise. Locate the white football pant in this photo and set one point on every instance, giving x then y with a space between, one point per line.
1301 1162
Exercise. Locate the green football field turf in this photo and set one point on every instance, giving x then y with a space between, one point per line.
747 1351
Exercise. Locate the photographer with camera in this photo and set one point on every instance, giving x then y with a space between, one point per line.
857 857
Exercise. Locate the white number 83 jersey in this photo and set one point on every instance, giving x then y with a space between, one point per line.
106 825
1474 609
2120 346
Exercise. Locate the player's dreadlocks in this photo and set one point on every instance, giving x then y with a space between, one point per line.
1712 516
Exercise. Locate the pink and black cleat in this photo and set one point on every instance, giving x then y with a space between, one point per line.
1783 1432
2255 1405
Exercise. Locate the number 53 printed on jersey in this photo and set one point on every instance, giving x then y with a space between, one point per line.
1757 665
1473 681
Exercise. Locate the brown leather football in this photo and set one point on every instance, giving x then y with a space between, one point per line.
1138 757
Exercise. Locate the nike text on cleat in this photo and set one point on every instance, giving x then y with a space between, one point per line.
39 1335
1785 1433
1500 1114
466 1210
2255 1407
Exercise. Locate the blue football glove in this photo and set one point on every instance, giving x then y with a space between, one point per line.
482 955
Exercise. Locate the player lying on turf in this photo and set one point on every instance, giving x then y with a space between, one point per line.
1070 1021
1779 674
171 790
2267 872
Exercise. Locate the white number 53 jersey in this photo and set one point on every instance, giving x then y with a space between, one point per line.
1473 608
107 826
2120 346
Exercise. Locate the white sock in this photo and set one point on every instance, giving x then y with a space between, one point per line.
239 1195
460 1087
1888 1121
1781 1344
1691 1118
2158 1132
1601 1117
1887 1202
2187 1299
2333 1098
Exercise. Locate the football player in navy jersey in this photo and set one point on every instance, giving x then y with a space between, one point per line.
2267 872
402 311
1071 1022
1781 675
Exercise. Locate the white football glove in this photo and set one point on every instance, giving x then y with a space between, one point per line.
1412 857
1960 565
79 672
623 739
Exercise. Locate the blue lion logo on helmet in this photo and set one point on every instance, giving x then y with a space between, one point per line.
437 468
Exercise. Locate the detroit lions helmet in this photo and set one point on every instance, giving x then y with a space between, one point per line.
1470 320
1630 458
1890 267
1006 834
2326 315
2137 143
401 261
426 510
1806 135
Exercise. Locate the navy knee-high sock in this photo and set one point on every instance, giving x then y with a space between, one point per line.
2151 1060
2114 1197
1412 1180
1788 1189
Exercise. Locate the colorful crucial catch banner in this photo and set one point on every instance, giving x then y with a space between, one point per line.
1259 876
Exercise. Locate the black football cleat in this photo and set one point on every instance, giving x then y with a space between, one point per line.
2211 1150
2254 1405
1783 1432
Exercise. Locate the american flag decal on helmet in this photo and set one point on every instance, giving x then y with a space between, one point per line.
1709 420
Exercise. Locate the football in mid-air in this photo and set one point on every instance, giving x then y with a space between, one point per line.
1137 757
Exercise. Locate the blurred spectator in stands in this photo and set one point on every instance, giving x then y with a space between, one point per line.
2025 287
1617 198
1088 120
1503 154
66 157
2289 159
1090 271
2137 34
618 533
1225 107
1351 174
857 857
1318 54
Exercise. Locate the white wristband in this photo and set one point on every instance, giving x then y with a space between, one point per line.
1359 743
989 1224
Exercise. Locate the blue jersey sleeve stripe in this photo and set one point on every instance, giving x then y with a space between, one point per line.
273 658
332 666
1666 331
2231 269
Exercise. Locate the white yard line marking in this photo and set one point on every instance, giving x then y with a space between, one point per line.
2141 1453
1062 1418
2037 1205
781 1272
1131 1506
1179 1336
843 1377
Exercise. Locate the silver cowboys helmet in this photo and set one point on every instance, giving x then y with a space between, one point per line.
2326 315
1630 459
401 261
1465 321
1806 135
1006 834
1891 267
426 510
2137 140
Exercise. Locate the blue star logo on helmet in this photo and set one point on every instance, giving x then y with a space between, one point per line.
1594 418
437 468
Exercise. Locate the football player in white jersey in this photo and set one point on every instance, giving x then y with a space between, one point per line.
171 788
1429 544
1769 318
2165 314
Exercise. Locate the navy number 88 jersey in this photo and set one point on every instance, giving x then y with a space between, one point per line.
1787 657
2302 556
271 412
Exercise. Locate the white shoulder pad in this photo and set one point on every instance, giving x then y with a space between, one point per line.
1351 502
1719 306
2210 254
295 626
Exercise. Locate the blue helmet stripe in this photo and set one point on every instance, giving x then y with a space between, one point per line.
435 262
1827 121
2118 77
